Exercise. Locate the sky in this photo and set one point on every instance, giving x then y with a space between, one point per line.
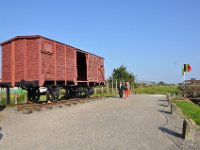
152 38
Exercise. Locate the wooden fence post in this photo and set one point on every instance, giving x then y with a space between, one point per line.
116 86
112 86
95 91
8 95
107 85
15 97
102 89
133 89
25 98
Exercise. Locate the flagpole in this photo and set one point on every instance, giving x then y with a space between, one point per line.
184 76
186 68
183 79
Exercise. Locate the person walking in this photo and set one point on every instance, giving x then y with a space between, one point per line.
120 89
127 87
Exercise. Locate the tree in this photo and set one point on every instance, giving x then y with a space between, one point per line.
122 74
161 83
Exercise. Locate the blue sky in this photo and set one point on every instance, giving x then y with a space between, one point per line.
152 38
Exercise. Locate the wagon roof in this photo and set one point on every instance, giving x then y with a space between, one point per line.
39 36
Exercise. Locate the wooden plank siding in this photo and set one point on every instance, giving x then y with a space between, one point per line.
32 60
6 63
36 58
101 71
60 61
70 64
48 59
92 68
20 48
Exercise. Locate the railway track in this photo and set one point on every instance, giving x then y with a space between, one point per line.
30 107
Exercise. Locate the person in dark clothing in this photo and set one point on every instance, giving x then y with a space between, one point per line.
121 90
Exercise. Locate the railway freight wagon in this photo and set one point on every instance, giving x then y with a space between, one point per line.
31 62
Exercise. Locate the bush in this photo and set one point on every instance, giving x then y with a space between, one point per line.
3 101
21 98
18 95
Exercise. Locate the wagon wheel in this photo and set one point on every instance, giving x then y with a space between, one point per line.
89 91
82 92
53 94
33 94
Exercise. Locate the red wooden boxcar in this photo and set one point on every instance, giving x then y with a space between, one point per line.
35 61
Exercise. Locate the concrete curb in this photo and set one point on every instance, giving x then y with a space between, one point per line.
188 125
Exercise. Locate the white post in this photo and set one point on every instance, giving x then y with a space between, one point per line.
116 86
15 98
25 98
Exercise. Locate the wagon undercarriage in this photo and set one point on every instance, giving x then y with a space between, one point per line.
53 92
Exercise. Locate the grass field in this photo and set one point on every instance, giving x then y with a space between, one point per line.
106 94
158 90
190 110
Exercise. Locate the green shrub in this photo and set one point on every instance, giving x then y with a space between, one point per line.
15 95
3 101
21 98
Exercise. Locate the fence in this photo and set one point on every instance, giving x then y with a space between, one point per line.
111 87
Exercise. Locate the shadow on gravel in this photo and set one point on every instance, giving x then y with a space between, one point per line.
170 132
162 100
115 97
163 105
166 112
2 108
1 135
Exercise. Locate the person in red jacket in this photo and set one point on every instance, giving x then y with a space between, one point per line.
127 87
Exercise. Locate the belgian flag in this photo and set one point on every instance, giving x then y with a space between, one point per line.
187 68
183 71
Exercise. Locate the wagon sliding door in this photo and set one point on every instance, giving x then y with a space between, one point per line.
47 63
81 66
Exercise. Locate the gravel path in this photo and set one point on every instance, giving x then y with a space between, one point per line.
111 124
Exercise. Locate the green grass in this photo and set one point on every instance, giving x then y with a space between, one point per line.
190 110
105 94
158 90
